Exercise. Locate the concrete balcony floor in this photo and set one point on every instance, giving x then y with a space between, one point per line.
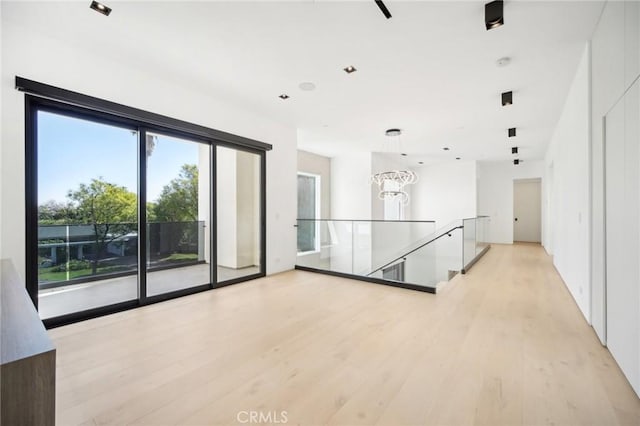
80 297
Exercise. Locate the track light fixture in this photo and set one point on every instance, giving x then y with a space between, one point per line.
507 98
493 14
514 149
383 9
100 8
512 132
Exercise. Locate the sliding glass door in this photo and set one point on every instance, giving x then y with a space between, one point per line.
87 201
122 213
178 214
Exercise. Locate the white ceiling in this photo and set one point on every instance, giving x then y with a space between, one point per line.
430 70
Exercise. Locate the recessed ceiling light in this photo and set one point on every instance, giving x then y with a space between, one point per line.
516 161
403 154
420 162
393 132
512 132
503 62
507 98
493 14
284 96
514 149
446 148
307 86
101 8
350 69
457 158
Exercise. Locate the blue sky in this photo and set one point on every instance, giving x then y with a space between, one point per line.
73 151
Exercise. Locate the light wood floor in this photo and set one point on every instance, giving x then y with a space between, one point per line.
503 345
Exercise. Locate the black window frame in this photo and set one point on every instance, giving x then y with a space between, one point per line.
42 97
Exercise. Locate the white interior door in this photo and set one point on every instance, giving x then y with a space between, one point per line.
527 210
622 185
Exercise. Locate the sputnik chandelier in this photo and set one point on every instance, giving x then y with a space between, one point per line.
391 183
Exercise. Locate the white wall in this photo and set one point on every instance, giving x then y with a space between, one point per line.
355 197
2 256
615 64
495 194
605 288
226 201
384 162
622 190
351 186
321 166
445 192
248 209
351 199
567 190
29 54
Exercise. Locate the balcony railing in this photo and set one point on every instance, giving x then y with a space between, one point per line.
69 254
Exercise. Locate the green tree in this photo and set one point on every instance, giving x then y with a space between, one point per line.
151 211
178 201
176 210
111 210
57 213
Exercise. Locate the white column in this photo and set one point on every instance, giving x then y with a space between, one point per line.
226 198
204 211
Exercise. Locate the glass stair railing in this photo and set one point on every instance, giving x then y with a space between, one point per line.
409 254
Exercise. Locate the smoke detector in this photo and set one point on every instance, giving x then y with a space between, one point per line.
503 62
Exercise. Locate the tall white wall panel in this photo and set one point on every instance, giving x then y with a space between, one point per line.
622 194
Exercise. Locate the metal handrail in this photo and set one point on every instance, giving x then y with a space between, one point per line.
416 249
369 220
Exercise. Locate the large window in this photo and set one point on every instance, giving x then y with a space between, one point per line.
122 212
308 210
